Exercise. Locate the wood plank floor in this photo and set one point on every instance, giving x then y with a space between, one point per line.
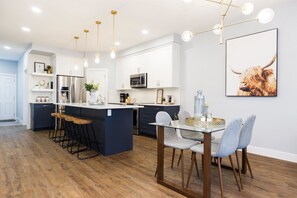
34 166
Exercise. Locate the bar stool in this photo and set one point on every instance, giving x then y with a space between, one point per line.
52 134
70 134
84 130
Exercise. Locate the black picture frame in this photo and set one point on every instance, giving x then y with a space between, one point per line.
242 57
39 67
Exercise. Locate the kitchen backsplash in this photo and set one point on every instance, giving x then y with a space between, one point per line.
145 95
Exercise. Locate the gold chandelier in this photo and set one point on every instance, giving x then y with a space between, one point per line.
264 16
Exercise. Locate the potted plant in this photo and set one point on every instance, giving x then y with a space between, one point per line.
92 88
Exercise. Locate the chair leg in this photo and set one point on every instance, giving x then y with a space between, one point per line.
179 160
234 173
238 166
220 177
249 166
182 167
196 165
191 168
156 171
173 153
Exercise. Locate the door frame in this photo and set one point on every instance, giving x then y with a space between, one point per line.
15 92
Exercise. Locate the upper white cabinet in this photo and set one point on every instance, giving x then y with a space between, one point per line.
161 64
66 65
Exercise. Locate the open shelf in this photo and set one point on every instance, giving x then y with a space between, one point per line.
42 74
43 90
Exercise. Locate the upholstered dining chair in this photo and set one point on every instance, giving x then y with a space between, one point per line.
244 140
172 140
226 147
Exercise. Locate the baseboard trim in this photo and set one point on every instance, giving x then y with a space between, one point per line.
273 153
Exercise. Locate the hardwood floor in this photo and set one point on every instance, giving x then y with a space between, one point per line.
34 166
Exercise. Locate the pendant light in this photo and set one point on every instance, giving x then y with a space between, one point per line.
113 50
97 59
76 38
86 49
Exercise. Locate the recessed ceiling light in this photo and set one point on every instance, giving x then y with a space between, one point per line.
144 31
25 29
6 47
117 43
36 9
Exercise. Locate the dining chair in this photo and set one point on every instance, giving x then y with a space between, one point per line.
225 148
244 140
172 140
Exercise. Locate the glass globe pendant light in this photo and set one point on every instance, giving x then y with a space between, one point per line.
86 64
247 8
113 51
76 65
97 59
265 16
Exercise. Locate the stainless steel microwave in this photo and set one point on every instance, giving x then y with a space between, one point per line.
138 80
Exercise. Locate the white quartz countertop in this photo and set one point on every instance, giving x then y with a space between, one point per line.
100 106
161 105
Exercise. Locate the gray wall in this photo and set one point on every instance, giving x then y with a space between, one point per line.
203 67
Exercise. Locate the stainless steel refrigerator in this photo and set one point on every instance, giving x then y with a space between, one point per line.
70 89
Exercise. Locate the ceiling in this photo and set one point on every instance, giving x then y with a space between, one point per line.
61 20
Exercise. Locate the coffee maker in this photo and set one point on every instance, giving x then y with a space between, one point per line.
123 97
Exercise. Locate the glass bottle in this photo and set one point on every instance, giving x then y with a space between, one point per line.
199 102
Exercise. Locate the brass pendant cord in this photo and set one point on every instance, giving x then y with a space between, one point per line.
86 43
113 30
98 23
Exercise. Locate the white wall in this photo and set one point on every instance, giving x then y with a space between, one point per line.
8 67
203 67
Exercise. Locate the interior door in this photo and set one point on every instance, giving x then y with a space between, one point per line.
98 76
7 97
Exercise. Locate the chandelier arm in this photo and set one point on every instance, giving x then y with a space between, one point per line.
225 26
232 5
225 14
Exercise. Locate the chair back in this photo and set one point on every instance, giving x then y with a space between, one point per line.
164 117
246 132
229 140
183 115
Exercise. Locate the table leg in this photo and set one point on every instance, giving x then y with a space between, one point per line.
160 163
244 153
207 165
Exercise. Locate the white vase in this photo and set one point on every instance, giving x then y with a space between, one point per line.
92 98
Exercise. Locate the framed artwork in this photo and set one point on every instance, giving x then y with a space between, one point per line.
251 65
39 67
159 99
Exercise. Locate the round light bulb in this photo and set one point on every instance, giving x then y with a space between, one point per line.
247 8
187 1
76 67
97 59
187 36
86 63
265 16
217 29
113 54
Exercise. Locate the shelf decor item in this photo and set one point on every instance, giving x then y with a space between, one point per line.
39 67
49 69
92 88
159 99
251 65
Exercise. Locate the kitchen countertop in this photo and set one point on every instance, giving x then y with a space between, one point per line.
146 104
41 102
100 106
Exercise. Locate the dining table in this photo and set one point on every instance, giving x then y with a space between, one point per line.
195 126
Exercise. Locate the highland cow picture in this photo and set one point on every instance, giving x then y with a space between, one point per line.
251 65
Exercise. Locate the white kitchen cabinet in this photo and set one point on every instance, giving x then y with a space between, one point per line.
160 63
66 65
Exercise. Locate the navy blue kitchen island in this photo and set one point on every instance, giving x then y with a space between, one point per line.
113 124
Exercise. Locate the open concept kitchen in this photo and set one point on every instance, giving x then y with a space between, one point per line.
158 98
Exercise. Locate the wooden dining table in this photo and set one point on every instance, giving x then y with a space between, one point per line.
207 132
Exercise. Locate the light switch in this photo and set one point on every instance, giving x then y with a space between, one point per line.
108 112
